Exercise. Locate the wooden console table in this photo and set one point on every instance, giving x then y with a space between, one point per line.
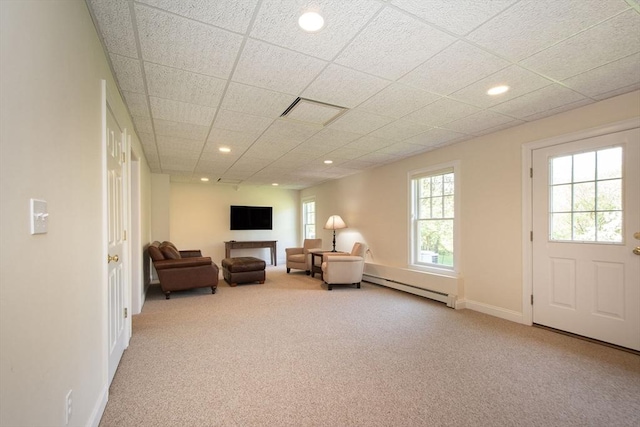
250 244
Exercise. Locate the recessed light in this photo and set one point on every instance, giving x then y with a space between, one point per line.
497 90
203 179
275 184
311 21
328 162
224 149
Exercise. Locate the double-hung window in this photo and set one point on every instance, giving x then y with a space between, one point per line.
309 219
434 206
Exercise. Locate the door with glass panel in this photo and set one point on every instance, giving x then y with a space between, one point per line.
586 230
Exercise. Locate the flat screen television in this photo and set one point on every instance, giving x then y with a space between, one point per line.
251 218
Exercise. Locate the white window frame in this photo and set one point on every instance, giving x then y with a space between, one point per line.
304 217
419 173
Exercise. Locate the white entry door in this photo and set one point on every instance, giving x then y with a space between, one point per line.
586 227
116 282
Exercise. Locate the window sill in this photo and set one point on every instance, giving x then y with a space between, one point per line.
434 270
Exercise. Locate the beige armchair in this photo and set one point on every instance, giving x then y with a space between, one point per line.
344 269
300 258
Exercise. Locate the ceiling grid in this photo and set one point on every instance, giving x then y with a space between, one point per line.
198 75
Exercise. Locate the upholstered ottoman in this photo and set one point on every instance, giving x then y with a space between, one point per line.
243 270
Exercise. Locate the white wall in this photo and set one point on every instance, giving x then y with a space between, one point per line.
160 192
52 302
374 204
200 218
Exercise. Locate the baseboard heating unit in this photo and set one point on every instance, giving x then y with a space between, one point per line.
414 282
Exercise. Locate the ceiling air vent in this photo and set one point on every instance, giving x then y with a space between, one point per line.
308 111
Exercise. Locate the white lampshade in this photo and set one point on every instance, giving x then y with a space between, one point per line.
335 223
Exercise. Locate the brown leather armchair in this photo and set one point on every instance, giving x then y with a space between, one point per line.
181 270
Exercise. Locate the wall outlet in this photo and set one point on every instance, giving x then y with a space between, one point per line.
68 407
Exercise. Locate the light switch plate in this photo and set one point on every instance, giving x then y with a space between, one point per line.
39 216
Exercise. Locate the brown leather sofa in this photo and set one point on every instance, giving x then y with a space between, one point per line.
181 270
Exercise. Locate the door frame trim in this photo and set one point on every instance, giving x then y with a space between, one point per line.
527 194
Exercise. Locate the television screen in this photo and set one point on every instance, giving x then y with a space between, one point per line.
251 218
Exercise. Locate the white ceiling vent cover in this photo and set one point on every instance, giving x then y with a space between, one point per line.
308 111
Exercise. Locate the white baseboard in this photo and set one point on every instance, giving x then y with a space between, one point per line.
98 410
491 310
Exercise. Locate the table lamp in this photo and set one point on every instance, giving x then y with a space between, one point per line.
334 223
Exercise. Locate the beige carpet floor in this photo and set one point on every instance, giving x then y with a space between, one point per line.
291 353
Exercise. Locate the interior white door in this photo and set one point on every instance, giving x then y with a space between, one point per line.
116 281
586 216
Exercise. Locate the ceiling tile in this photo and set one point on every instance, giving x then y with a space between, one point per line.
403 149
181 130
435 137
392 45
166 109
137 103
114 20
292 160
231 139
358 164
614 75
547 98
148 141
343 87
267 150
332 137
517 78
241 122
211 166
620 91
216 159
251 163
379 157
440 112
530 26
180 43
498 127
288 131
370 143
257 101
277 22
560 109
310 150
128 73
346 153
275 68
179 146
606 42
143 124
462 60
397 100
400 130
478 122
175 162
233 15
459 16
312 112
359 122
185 86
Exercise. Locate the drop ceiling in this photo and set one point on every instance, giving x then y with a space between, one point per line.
197 75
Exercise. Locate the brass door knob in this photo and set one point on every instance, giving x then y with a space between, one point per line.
114 258
636 250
